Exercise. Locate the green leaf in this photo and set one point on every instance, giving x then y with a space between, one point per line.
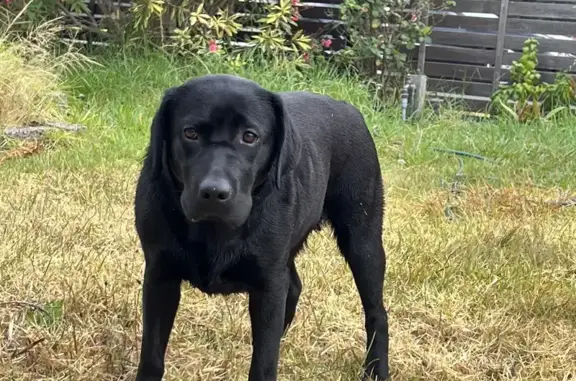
509 110
426 30
51 314
554 112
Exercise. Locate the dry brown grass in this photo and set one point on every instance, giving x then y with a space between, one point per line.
31 80
23 150
489 297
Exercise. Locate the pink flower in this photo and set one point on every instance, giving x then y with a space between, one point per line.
295 2
326 42
306 57
212 46
414 17
295 18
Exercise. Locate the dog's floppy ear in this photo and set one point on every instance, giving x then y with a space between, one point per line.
158 133
287 140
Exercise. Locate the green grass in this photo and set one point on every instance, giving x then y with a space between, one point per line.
490 295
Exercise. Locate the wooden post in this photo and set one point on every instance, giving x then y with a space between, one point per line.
422 47
419 79
503 18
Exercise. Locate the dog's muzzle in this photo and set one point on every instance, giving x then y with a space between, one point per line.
214 199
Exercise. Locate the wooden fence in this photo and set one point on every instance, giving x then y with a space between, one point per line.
472 45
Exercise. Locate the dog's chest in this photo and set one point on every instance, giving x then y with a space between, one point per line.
223 272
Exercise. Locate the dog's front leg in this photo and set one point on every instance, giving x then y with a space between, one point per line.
267 310
160 299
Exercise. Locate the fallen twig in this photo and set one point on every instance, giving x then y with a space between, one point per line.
462 153
30 346
35 131
24 303
568 202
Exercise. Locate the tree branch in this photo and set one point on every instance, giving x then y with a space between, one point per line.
78 23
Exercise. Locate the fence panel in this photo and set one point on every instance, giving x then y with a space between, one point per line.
473 44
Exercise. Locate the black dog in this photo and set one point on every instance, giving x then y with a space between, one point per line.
234 180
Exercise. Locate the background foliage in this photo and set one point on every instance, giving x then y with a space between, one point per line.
379 33
525 98
380 37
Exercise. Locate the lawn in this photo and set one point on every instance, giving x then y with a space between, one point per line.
481 280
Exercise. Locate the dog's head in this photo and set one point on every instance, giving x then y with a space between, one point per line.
220 137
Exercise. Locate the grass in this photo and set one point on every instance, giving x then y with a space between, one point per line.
32 78
490 295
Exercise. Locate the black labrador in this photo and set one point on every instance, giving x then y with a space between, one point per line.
234 180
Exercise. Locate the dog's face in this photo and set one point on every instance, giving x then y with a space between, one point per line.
220 137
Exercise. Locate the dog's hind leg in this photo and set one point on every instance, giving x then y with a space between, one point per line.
355 210
293 296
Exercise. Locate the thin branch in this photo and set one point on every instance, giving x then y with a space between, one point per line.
462 153
78 23
24 303
30 346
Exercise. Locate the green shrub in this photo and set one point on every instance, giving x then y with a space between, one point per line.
381 34
529 98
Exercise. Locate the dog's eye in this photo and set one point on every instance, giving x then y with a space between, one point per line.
249 137
190 134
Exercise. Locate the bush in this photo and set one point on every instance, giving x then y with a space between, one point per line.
31 85
526 98
381 33
211 27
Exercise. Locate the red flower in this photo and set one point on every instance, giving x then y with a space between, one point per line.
295 18
8 2
306 57
212 47
326 42
295 2
414 17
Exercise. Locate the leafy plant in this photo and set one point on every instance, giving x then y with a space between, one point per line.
276 31
530 99
561 93
195 28
146 10
381 33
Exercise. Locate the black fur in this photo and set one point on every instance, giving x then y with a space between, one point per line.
230 215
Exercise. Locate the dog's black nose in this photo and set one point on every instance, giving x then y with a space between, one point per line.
216 190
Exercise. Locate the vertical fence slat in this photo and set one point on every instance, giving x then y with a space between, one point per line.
422 48
500 43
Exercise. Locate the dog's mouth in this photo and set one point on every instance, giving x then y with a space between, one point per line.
208 218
